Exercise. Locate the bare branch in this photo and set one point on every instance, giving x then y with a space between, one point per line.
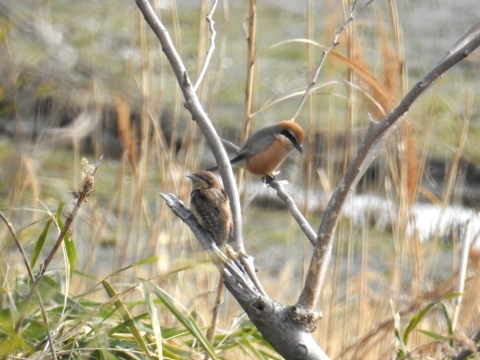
292 207
469 35
230 146
377 135
199 116
87 183
19 245
353 14
287 328
32 279
209 53
227 267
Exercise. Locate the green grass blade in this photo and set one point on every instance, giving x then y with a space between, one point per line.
58 215
122 309
150 260
434 336
420 315
249 349
186 321
157 330
41 239
71 253
67 241
449 324
39 244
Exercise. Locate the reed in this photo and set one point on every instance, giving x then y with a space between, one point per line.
141 287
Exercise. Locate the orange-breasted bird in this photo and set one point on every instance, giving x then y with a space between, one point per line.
210 206
265 150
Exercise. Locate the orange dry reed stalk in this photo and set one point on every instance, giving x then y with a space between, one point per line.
126 130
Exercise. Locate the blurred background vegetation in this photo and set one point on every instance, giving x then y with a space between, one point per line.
86 78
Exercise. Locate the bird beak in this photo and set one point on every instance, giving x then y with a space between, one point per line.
298 147
191 177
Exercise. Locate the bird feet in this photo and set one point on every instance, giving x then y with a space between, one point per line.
266 179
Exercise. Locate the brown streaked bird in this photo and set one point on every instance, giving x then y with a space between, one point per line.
210 206
265 150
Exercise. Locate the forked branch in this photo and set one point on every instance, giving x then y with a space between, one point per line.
193 105
377 135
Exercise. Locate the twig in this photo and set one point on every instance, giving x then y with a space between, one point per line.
88 184
469 35
353 14
249 268
32 278
378 134
47 326
19 245
465 353
209 53
230 146
198 114
287 328
216 307
368 340
292 207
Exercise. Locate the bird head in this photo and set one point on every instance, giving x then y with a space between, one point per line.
293 132
204 180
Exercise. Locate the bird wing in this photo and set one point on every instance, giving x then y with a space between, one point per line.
258 142
255 144
209 210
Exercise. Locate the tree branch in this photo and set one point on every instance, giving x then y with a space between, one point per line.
226 266
292 207
287 328
80 197
353 13
199 116
209 53
377 135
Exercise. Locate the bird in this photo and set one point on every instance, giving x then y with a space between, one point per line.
210 206
265 150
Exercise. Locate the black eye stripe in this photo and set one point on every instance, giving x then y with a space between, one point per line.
289 136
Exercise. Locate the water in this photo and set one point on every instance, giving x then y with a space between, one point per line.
426 220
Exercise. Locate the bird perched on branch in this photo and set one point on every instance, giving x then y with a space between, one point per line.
265 150
210 206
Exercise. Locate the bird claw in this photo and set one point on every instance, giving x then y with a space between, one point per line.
267 178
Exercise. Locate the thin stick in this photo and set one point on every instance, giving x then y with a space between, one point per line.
293 209
192 103
353 14
32 278
87 182
209 53
19 245
378 134
216 307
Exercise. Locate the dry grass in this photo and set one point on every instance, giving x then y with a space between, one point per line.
126 235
